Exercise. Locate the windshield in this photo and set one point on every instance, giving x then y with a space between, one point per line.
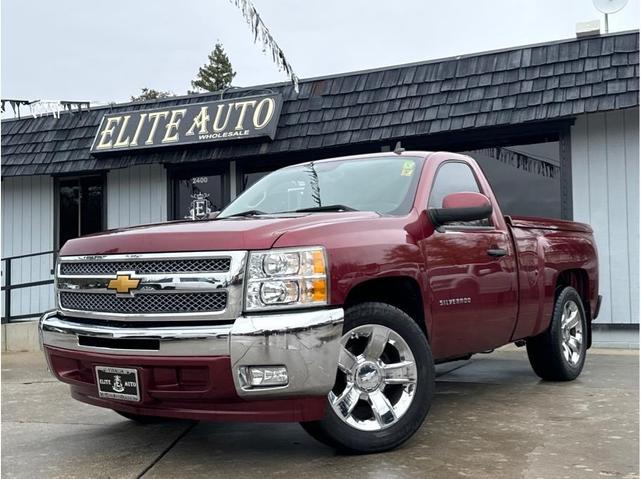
383 184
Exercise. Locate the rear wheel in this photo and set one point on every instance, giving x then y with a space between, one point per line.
558 354
384 383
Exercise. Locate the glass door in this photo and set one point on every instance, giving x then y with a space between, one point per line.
199 193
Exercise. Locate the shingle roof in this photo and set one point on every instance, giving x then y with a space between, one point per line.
513 86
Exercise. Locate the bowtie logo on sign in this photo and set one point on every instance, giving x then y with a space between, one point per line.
221 120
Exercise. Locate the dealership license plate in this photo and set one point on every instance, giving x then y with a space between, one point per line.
118 383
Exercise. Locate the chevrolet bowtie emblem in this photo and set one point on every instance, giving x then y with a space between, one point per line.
123 283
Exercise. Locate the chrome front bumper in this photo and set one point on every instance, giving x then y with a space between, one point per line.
306 343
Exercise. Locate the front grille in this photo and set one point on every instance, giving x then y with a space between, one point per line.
145 303
195 265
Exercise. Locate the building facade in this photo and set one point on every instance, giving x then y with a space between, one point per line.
554 126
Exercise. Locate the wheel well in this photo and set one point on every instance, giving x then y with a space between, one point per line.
402 292
578 279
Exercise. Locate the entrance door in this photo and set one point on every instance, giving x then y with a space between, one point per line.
197 194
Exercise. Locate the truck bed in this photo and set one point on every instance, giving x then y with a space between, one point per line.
531 222
546 248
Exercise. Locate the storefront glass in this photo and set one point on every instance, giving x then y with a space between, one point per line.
526 179
80 210
196 196
249 178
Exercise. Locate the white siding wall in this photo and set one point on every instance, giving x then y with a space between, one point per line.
136 195
27 227
605 183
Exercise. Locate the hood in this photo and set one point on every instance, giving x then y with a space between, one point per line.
251 233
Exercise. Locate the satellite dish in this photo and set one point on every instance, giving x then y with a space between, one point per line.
609 6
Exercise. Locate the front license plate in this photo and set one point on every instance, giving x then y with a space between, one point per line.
118 383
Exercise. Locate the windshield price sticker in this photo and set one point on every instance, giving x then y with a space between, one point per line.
408 168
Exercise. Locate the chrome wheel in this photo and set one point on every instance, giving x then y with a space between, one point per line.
376 380
571 333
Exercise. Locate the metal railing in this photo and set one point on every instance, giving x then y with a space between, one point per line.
9 286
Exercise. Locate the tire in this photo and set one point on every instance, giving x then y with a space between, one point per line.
383 405
142 419
558 354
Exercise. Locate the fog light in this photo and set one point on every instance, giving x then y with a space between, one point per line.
268 376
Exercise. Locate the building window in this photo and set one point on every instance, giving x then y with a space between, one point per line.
251 171
525 178
80 207
197 193
247 179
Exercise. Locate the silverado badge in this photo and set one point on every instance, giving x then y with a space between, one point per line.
123 283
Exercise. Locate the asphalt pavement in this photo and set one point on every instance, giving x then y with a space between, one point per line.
491 418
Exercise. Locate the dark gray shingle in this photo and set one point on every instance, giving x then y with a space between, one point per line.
532 83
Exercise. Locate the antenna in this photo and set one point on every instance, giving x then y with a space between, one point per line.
398 149
608 7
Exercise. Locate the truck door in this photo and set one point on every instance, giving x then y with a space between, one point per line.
471 272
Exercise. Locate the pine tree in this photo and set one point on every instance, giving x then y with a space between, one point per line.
217 74
151 94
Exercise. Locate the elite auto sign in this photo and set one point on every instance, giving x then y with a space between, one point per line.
231 119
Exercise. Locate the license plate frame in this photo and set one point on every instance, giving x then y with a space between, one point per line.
118 383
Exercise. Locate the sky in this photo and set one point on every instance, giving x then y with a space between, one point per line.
106 51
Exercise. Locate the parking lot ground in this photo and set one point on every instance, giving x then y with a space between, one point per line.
491 418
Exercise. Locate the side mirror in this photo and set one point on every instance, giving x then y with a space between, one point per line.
465 206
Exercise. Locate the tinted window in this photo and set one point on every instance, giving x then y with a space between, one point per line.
452 177
526 179
80 207
249 178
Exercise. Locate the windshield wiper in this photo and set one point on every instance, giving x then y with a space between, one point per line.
245 213
326 208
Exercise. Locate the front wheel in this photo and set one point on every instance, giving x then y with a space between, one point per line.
558 354
384 383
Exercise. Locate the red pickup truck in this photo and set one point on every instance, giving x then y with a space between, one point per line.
324 294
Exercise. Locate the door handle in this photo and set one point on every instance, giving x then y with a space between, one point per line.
497 252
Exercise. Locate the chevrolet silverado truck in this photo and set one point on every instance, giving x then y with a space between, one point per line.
324 294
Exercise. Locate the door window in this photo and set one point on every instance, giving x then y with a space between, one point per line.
454 177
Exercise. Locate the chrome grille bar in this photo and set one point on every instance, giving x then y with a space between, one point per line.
196 265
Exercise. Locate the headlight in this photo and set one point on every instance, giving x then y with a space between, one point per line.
286 278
